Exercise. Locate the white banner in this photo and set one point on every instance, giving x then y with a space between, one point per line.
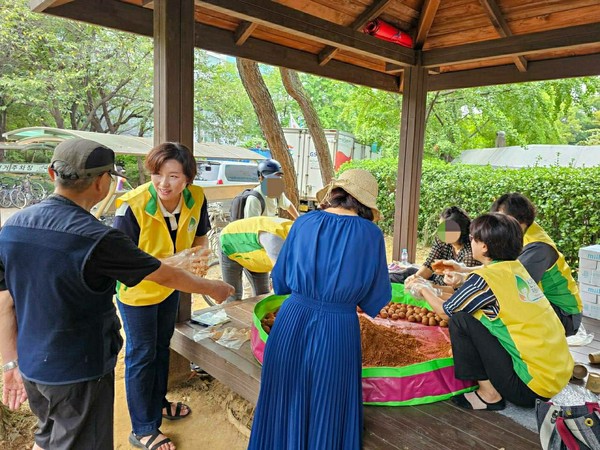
24 168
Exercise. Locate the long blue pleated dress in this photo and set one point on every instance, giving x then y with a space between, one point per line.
311 395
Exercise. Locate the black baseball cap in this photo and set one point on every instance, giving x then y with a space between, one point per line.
88 158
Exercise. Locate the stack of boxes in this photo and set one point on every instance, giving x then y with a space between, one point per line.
589 280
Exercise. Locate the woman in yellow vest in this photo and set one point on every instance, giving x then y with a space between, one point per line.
504 333
251 246
546 265
163 217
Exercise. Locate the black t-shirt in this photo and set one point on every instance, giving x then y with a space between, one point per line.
537 258
115 257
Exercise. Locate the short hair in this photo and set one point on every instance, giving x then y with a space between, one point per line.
501 233
172 150
461 217
68 178
517 206
339 198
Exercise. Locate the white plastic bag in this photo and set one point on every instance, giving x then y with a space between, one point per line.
581 338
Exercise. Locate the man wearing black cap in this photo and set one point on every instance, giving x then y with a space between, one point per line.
58 268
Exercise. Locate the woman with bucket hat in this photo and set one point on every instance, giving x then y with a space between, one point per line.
332 261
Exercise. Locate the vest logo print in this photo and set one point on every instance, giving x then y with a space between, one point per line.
528 290
193 224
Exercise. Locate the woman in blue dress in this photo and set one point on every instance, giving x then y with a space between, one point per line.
332 261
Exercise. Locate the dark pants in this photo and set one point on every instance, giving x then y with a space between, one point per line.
76 416
232 274
148 332
478 355
571 322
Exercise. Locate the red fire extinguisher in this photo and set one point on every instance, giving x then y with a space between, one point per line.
387 32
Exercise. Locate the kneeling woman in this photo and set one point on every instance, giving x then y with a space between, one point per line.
504 333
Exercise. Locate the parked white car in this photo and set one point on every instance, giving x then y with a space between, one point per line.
213 173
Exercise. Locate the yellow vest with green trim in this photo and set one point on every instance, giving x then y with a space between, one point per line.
527 327
558 284
155 238
240 242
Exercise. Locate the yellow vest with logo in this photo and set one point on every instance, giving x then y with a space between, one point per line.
155 238
240 241
528 329
558 284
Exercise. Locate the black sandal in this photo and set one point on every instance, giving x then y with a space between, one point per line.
178 407
135 440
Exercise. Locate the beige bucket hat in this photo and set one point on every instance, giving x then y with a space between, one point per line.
360 184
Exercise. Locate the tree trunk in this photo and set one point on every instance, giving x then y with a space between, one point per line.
269 123
140 164
3 125
293 86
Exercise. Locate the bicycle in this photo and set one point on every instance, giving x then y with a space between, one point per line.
27 193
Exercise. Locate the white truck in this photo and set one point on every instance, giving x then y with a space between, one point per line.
342 147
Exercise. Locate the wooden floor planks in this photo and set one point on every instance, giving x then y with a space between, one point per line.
437 426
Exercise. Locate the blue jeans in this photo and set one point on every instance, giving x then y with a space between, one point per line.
148 330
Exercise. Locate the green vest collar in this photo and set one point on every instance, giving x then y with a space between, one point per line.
188 198
152 205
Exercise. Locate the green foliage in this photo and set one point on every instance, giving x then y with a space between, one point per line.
568 206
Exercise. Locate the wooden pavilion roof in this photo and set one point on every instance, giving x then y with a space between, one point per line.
462 43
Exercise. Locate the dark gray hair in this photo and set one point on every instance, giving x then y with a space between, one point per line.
66 177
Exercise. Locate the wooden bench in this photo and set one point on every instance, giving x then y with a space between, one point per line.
434 426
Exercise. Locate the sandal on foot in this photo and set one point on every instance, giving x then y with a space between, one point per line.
136 441
178 408
461 400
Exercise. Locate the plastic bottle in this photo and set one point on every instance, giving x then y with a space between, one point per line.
404 257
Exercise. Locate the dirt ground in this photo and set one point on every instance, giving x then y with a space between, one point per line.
220 419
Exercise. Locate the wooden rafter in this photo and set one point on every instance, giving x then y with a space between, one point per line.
562 38
425 21
575 66
138 20
278 17
495 14
373 11
243 32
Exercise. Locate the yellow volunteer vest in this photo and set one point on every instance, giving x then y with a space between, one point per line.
239 241
527 327
155 238
557 283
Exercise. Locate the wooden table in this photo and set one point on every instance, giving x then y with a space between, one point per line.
238 369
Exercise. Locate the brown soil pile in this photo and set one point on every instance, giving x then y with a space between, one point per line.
386 347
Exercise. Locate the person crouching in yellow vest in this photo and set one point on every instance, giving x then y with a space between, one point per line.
504 332
251 246
546 265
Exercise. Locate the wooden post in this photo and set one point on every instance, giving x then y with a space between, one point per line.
173 108
174 84
410 161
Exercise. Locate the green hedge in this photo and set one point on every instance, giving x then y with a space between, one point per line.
566 198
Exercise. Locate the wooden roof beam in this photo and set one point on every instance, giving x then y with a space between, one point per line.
139 20
276 16
495 14
562 38
373 11
223 41
426 17
551 69
243 32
